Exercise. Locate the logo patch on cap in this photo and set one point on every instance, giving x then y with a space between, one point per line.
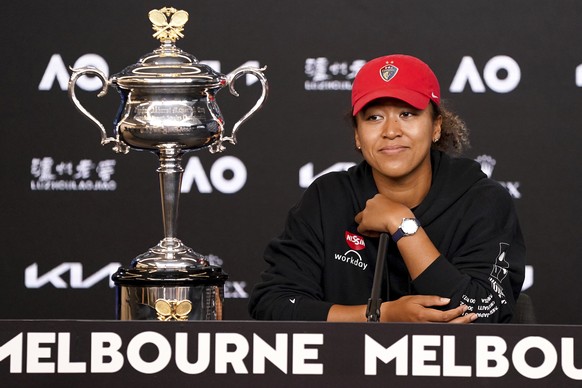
388 72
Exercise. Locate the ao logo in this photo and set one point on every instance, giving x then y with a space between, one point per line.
57 70
468 73
194 173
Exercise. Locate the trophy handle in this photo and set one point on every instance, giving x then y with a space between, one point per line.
230 80
119 146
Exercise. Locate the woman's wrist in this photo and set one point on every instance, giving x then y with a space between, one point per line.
396 218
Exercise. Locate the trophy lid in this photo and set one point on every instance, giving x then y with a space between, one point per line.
168 66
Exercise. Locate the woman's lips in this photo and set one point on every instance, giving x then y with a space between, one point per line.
394 149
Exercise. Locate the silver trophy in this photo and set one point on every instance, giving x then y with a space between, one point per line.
168 106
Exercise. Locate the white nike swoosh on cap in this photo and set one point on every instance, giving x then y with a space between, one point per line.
433 95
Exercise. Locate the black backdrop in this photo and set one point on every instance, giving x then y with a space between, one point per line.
73 210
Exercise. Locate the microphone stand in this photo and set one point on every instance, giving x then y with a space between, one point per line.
374 303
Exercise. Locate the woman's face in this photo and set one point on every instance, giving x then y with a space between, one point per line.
395 138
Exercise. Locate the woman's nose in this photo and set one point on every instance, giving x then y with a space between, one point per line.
392 128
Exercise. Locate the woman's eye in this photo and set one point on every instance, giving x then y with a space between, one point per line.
374 117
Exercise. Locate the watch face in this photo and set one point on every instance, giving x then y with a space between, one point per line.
409 226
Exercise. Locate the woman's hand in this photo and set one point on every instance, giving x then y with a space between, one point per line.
418 308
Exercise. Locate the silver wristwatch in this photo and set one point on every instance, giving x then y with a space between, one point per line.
408 227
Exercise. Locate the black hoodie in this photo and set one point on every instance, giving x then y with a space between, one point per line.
320 259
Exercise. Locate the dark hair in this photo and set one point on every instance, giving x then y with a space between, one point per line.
454 133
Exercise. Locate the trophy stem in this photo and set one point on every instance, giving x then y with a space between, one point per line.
170 176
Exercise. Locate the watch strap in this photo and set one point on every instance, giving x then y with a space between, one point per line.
398 235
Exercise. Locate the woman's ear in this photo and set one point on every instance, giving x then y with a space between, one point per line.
357 139
436 128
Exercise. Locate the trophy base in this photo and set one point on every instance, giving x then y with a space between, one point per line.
189 294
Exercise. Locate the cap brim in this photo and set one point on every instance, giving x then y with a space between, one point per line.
417 100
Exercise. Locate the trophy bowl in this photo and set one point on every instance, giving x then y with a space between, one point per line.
168 107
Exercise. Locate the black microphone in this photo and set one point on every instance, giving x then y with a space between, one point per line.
374 303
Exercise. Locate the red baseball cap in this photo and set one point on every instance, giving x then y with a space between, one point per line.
399 76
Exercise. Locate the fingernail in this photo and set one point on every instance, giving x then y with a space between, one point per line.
445 300
473 317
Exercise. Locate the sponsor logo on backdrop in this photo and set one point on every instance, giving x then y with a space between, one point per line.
57 70
579 76
217 66
307 174
488 164
327 74
232 289
501 74
68 275
227 174
49 174
72 275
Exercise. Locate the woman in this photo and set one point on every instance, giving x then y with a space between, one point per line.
456 253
